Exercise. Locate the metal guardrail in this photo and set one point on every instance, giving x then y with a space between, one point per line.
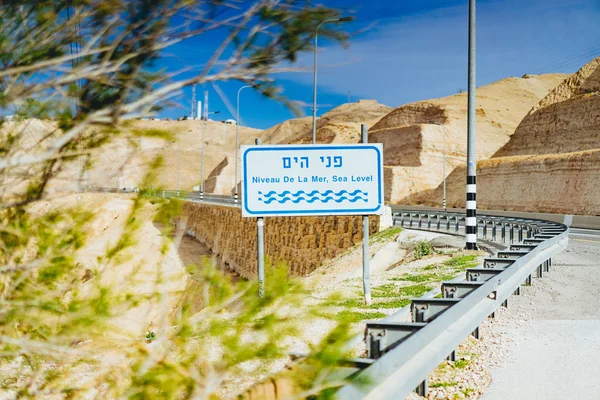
196 197
402 355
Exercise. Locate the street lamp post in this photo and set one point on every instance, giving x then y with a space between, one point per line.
178 163
314 109
237 138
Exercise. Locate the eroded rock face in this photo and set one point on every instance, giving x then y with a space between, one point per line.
565 183
567 120
413 135
551 163
221 178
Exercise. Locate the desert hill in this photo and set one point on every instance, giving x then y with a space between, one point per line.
123 163
551 163
413 134
339 125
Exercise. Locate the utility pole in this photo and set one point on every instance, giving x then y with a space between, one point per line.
204 118
471 218
178 163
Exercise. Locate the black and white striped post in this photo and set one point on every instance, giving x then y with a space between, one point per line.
471 219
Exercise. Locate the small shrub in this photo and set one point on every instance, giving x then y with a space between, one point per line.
461 364
422 249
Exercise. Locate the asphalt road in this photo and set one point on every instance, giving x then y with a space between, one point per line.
554 352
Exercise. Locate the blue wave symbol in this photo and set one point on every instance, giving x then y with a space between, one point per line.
313 199
313 193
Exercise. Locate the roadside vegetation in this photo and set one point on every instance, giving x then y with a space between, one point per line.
399 290
88 69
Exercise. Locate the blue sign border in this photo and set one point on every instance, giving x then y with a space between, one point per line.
327 212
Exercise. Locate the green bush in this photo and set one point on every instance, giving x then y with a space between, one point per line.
422 249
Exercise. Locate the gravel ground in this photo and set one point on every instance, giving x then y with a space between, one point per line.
544 346
554 327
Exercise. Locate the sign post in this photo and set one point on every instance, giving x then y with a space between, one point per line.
314 180
260 242
364 133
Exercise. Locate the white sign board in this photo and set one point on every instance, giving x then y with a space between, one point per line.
293 180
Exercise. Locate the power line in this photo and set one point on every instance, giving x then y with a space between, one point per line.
574 59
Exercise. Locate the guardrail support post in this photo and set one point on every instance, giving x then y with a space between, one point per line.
540 271
518 291
452 356
520 233
528 281
423 388
476 334
505 303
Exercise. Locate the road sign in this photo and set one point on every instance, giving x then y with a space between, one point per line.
292 180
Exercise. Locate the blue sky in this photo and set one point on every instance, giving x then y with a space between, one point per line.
415 50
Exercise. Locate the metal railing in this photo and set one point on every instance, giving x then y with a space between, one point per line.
196 197
402 355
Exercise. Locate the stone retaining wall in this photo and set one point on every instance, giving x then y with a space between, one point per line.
304 243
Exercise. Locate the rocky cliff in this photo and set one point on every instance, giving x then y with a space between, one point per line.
413 135
551 163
